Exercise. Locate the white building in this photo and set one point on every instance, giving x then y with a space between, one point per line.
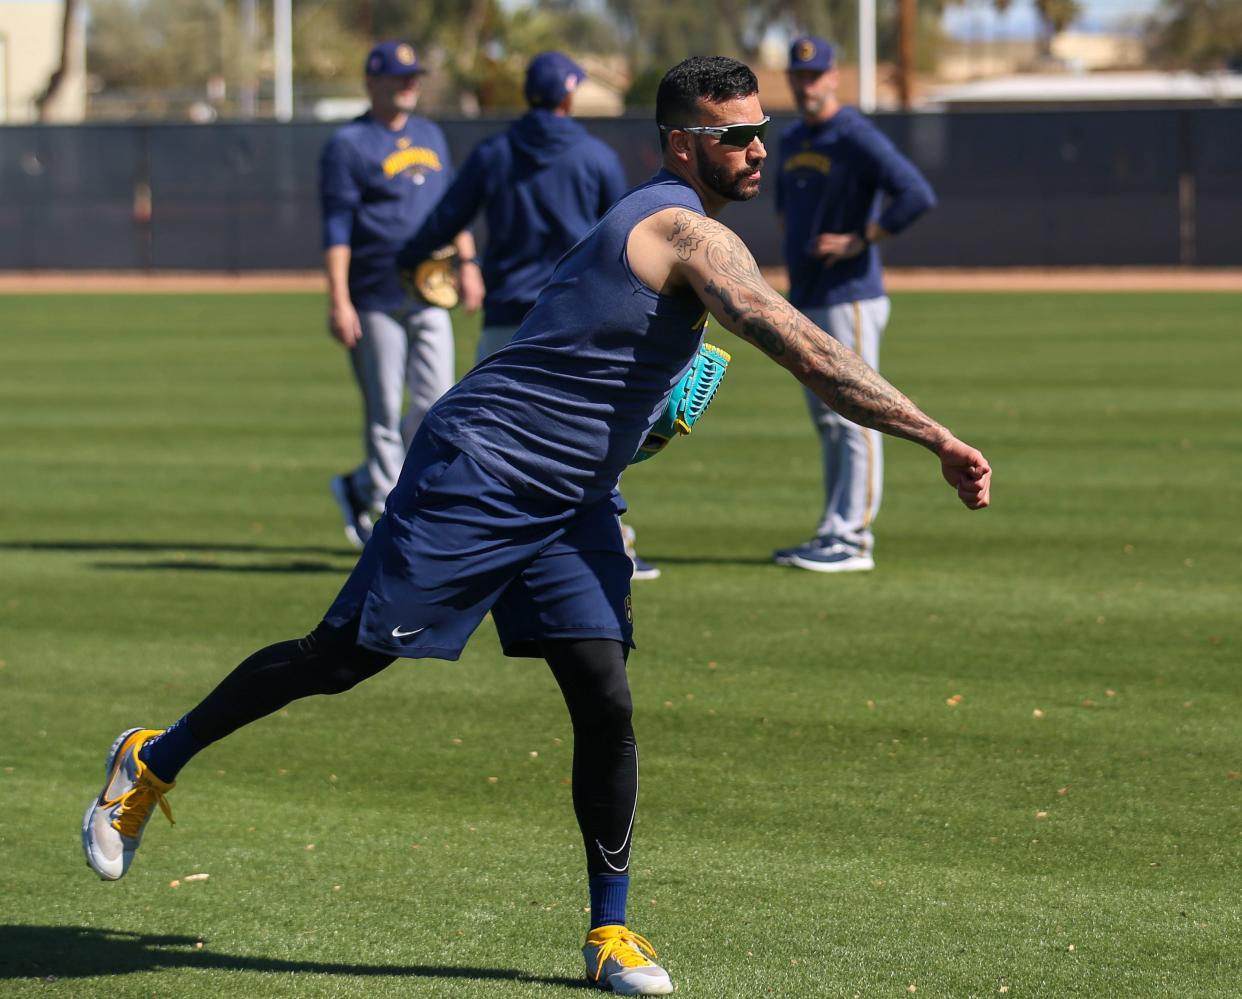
30 39
1089 90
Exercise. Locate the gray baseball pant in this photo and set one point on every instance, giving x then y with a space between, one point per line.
853 456
397 353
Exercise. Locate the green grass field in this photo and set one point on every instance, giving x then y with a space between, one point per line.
816 818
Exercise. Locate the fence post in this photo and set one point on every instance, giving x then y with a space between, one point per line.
1186 190
144 199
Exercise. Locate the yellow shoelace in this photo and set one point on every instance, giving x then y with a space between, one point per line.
136 805
630 949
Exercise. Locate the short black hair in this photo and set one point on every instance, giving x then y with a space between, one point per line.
700 78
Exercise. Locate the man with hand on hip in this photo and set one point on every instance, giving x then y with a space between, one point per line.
835 172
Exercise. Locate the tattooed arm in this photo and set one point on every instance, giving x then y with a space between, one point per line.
723 272
715 262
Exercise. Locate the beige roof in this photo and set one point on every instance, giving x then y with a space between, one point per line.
1091 88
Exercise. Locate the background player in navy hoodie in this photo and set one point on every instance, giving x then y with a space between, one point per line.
835 170
541 184
379 177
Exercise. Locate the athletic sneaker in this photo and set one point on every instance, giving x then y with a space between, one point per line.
784 556
113 824
354 511
831 558
619 959
642 568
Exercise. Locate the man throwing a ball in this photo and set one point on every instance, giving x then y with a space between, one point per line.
507 500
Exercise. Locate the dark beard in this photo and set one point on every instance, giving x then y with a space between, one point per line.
716 179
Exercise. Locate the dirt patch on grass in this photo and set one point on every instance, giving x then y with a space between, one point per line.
1065 279
897 279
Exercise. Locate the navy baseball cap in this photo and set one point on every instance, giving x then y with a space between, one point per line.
550 76
393 59
809 52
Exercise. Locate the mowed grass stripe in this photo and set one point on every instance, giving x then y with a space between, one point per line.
846 787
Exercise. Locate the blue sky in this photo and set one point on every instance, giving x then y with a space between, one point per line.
977 18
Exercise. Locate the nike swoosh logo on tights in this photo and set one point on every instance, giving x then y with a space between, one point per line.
609 854
623 851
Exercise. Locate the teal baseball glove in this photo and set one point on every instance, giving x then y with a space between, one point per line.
688 402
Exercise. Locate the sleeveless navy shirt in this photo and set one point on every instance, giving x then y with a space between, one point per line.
560 411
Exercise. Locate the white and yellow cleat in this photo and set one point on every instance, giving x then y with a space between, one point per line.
113 824
619 959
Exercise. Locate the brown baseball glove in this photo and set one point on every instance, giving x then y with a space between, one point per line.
434 280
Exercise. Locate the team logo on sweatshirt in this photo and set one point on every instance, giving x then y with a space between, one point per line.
415 161
808 160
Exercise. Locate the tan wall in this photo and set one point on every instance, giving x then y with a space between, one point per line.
775 96
602 94
961 61
29 54
1094 51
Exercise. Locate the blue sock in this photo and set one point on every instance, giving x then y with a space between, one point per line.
608 895
168 752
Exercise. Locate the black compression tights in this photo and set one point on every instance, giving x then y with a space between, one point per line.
327 661
591 675
592 678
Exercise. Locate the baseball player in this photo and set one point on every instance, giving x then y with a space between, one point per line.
541 185
507 500
835 173
380 175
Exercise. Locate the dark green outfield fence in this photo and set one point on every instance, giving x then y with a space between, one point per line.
1057 188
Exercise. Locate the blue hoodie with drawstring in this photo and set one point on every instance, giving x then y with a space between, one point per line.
544 182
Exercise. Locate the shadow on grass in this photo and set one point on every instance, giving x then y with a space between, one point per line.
294 567
173 546
291 566
306 565
657 559
52 953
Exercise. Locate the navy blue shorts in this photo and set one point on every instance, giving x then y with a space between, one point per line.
455 542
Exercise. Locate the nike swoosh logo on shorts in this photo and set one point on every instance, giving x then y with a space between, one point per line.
398 633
